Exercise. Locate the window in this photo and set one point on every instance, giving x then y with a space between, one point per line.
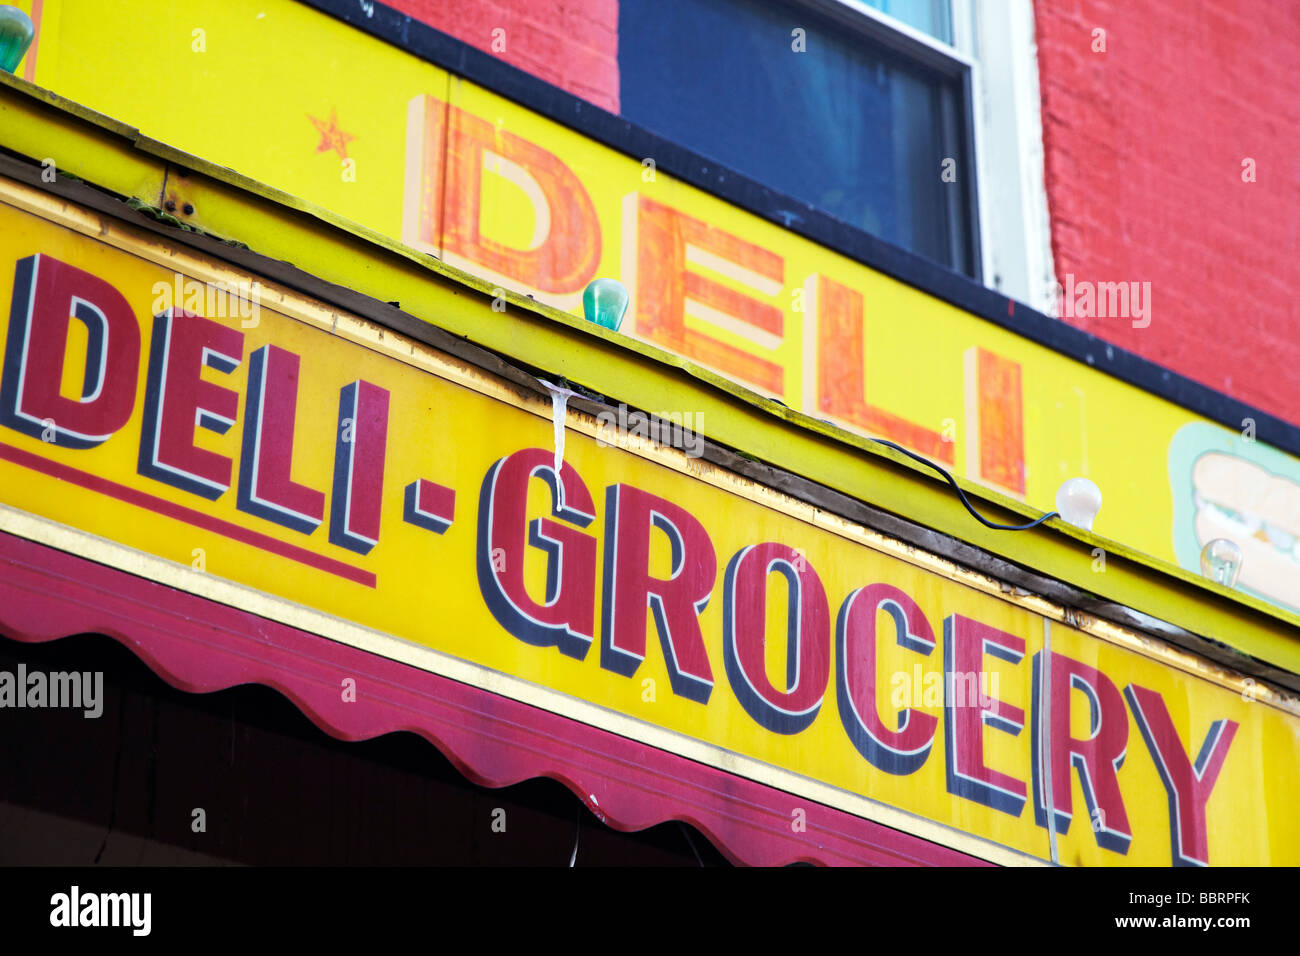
871 132
863 123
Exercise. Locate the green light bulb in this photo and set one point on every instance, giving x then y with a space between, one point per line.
604 303
16 35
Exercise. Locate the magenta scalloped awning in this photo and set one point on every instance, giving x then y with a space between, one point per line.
200 646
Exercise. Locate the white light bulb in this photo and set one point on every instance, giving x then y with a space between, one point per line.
1078 501
1221 562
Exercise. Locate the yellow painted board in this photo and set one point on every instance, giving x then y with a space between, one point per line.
346 129
294 229
737 556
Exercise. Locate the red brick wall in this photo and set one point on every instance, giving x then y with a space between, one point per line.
1144 147
572 44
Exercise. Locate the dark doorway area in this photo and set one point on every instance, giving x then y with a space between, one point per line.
123 789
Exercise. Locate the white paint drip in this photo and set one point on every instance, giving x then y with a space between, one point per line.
559 409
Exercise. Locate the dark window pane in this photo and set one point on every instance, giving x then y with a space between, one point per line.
849 126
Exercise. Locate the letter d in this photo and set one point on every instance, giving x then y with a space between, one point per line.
48 294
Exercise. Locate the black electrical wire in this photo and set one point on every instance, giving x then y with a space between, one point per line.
962 495
947 477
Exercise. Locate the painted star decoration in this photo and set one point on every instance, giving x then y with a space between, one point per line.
331 137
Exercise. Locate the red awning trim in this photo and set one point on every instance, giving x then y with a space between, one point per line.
199 646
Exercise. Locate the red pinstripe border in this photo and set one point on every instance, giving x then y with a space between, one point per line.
162 506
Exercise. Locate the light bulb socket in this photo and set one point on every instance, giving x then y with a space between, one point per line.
1221 561
604 302
16 35
1077 501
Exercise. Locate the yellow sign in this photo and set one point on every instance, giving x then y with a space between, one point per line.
406 149
390 496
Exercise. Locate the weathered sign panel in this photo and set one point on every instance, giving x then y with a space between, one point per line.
345 477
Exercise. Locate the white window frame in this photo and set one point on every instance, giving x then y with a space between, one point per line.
994 40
